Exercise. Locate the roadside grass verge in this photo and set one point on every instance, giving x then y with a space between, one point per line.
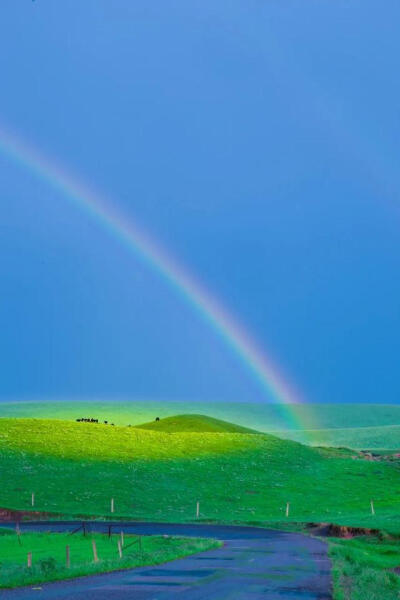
49 555
363 568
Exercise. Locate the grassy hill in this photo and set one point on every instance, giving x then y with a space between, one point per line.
384 437
194 423
261 417
76 468
352 425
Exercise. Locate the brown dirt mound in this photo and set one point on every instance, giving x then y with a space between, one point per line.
340 531
7 515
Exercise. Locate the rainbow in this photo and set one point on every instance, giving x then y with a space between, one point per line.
136 240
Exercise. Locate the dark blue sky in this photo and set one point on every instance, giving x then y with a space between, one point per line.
257 141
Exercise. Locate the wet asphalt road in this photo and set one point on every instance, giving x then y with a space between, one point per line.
253 564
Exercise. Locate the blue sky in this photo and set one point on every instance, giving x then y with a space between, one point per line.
257 141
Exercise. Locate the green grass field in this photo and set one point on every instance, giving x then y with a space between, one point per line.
49 554
354 425
76 468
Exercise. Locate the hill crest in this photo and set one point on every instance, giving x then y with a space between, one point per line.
194 423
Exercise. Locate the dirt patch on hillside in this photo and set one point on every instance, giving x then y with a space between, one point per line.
366 455
339 531
7 515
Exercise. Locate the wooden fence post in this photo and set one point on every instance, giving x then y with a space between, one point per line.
122 539
29 559
287 508
372 508
120 548
112 505
95 557
67 557
33 499
197 509
18 532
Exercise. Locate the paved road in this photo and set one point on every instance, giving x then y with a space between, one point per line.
253 564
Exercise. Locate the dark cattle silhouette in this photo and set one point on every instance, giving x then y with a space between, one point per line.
84 420
157 418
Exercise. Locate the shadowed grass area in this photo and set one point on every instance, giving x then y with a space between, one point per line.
195 424
49 554
363 568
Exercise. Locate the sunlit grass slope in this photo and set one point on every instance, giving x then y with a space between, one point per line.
194 423
76 468
69 440
352 425
48 554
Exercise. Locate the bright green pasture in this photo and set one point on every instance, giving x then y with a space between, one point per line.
76 468
352 425
363 568
67 439
49 554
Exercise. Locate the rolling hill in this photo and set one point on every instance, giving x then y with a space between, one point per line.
194 423
358 426
383 437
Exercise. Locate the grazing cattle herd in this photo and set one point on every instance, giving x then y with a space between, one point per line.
84 420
